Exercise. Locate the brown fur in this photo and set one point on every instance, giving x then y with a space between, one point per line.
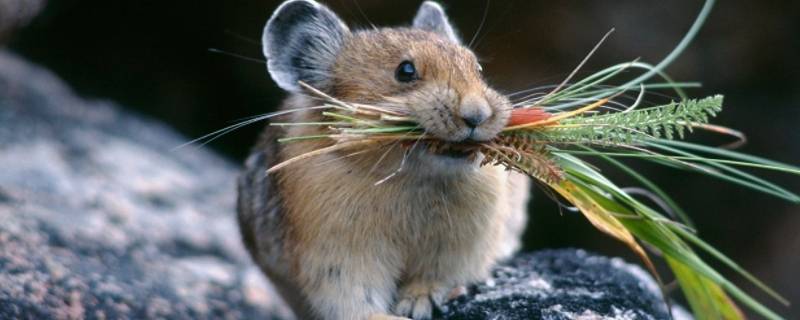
341 247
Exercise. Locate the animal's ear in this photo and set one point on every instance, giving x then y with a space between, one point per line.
301 41
431 17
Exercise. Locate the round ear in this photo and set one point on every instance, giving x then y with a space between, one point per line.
301 41
431 17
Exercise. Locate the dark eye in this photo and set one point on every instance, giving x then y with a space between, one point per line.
406 72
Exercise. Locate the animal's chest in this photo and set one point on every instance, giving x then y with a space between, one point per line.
434 210
402 211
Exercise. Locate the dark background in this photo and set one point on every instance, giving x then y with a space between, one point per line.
152 57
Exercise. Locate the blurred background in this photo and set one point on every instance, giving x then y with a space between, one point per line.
153 57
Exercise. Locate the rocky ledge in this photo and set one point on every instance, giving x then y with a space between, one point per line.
561 285
99 218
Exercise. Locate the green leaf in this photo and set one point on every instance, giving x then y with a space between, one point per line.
651 227
706 298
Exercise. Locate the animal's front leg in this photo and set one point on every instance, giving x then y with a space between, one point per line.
419 298
440 268
429 285
343 283
383 316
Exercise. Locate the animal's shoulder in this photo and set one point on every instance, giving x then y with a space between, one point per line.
260 209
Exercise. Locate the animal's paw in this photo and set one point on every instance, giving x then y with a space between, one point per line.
418 300
381 316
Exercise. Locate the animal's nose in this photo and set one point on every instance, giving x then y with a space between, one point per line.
475 110
475 120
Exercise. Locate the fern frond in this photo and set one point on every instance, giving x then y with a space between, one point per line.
631 128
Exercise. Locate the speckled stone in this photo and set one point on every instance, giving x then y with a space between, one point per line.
561 285
100 218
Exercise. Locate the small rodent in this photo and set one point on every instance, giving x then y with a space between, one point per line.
337 245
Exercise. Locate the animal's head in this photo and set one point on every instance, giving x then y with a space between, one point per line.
423 69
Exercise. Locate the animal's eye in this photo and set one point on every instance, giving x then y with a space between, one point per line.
406 72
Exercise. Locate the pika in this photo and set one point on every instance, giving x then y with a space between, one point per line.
336 244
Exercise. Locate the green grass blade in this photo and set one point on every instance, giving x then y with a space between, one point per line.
301 138
579 88
787 169
673 205
405 129
736 176
655 233
351 119
729 154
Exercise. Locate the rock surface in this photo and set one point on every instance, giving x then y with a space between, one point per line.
561 285
17 13
99 218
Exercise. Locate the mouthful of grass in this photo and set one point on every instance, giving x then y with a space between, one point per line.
547 139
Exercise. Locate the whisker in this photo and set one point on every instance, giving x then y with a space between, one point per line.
538 88
447 210
349 155
208 138
402 162
242 38
364 15
480 26
397 142
236 55
383 156
396 172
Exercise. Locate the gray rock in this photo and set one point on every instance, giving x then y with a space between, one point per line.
100 218
561 285
17 13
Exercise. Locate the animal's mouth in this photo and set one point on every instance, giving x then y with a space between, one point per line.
455 150
456 153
